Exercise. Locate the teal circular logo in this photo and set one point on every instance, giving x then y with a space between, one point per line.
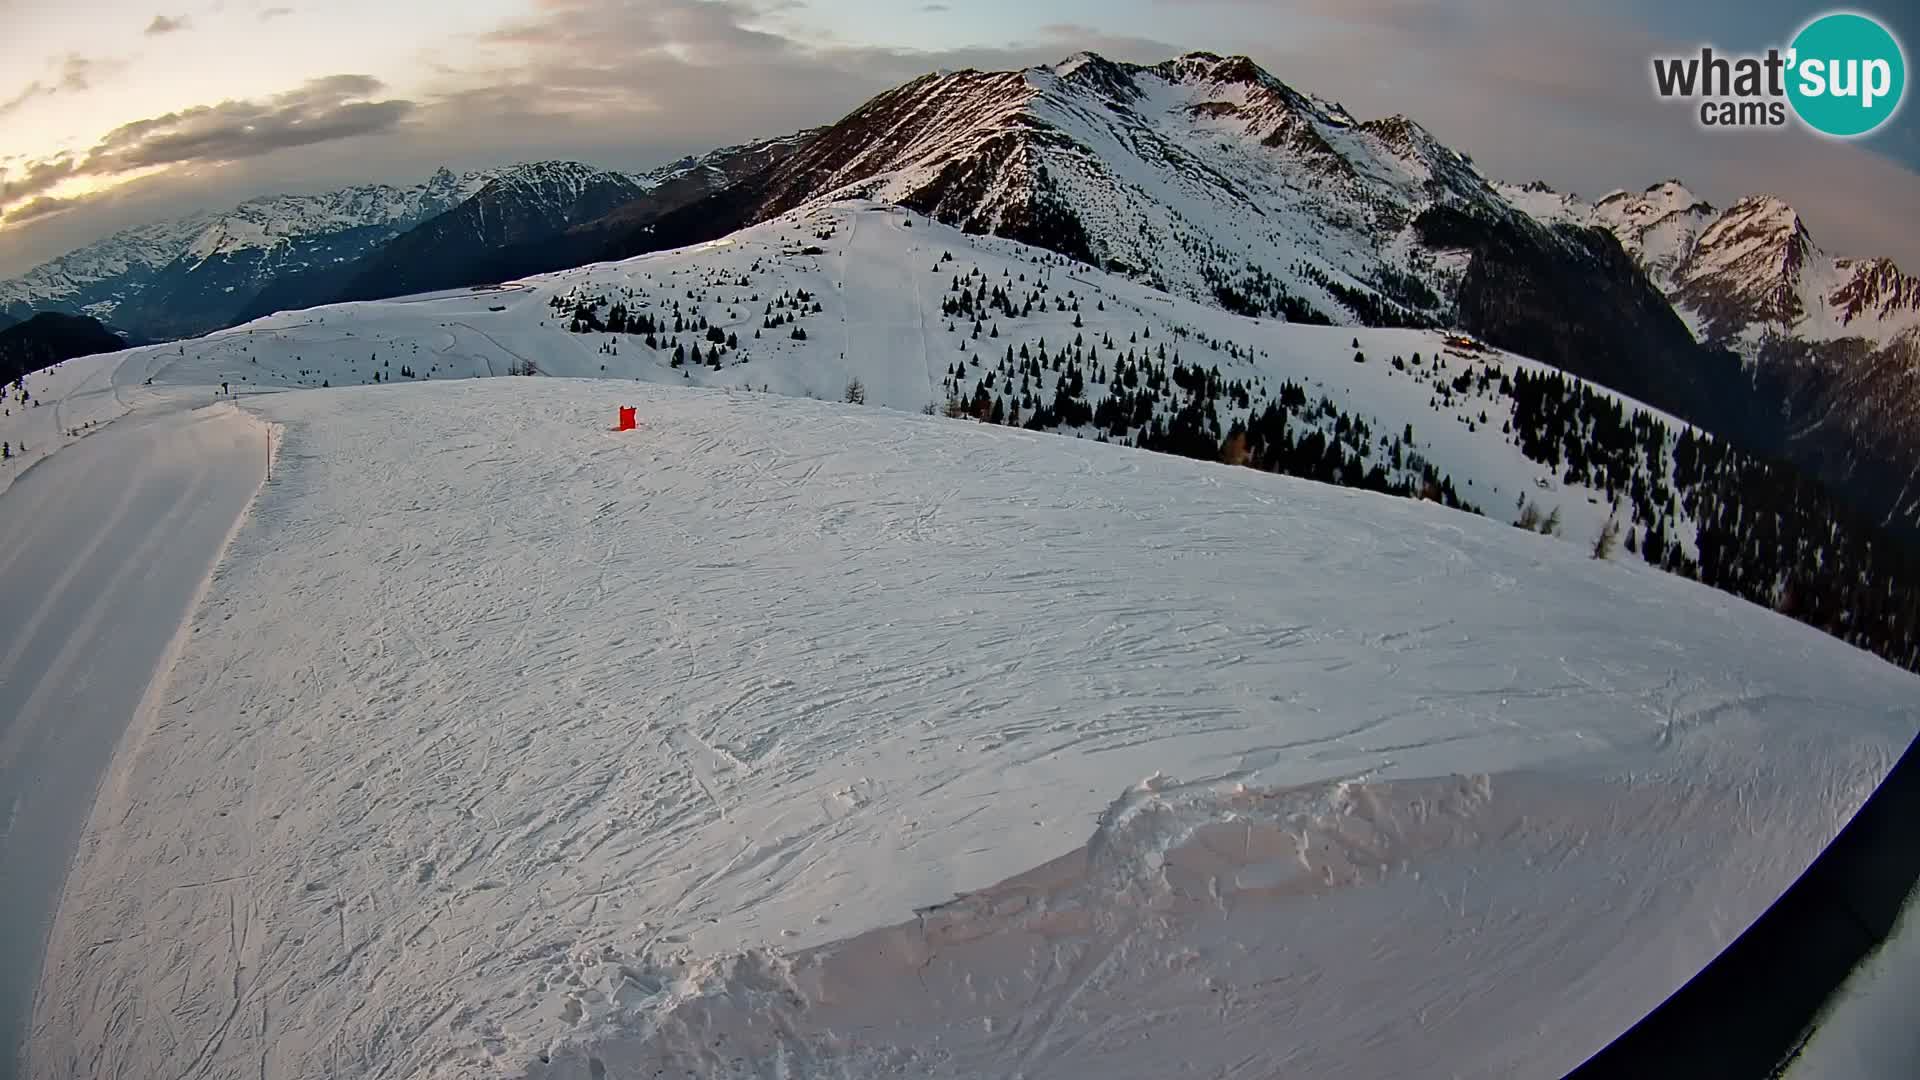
1847 74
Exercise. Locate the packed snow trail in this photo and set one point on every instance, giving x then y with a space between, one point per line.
509 745
104 548
883 318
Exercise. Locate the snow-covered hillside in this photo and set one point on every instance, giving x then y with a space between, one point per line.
52 408
888 287
506 744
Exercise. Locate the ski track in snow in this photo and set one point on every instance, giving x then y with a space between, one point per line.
103 551
506 745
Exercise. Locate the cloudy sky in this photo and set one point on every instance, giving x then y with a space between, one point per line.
114 112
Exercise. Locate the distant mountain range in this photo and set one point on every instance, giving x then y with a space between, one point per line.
526 220
1205 177
216 269
186 277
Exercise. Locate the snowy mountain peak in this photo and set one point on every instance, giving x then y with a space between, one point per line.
1762 229
1658 227
269 220
1875 289
1066 68
1751 259
445 187
1217 69
1745 273
561 180
132 254
1667 194
1673 191
1412 143
1203 174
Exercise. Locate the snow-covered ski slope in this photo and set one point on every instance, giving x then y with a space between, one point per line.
52 408
505 744
880 279
104 550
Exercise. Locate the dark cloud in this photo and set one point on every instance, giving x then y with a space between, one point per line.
699 71
166 24
78 73
322 111
34 178
40 207
325 108
934 9
33 90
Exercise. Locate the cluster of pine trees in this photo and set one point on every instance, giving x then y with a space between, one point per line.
683 333
1142 394
1760 529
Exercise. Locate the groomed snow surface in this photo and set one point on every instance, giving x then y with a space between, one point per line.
504 744
104 550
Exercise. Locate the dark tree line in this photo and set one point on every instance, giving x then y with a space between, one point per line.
1761 529
1139 394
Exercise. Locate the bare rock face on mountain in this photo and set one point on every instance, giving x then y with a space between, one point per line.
1205 176
460 247
1828 345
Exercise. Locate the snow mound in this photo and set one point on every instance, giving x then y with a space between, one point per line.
1197 908
505 742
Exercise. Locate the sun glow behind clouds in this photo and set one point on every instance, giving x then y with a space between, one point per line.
67 195
220 55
